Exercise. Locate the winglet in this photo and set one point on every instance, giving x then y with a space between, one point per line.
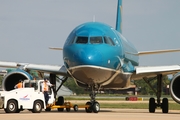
118 17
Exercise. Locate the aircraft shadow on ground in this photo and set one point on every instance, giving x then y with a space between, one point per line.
101 111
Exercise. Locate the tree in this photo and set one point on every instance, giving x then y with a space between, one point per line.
1 78
34 73
70 83
145 89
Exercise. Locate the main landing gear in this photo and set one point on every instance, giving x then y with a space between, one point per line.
152 104
94 106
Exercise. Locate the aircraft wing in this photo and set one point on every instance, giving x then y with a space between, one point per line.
56 69
148 52
151 71
158 51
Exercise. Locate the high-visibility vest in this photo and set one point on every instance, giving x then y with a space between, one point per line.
19 85
45 86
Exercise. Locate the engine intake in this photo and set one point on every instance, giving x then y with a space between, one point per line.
12 78
174 88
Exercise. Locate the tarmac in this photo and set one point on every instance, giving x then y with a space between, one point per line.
104 114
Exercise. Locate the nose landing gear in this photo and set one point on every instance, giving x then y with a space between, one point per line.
94 106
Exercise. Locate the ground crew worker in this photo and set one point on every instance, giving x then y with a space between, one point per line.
19 85
45 88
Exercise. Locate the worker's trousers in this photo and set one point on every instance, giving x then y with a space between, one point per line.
46 96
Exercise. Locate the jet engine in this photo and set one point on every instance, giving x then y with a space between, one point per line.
175 88
13 77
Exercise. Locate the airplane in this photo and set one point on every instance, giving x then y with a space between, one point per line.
97 56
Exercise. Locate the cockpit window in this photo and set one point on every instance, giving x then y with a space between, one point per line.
82 40
108 40
96 40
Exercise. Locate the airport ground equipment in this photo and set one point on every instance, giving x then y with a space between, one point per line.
31 97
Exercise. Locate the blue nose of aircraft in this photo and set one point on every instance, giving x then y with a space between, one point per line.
88 56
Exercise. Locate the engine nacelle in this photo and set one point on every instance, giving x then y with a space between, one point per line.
175 88
13 77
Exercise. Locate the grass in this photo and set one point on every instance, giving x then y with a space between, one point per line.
172 106
110 97
125 105
128 105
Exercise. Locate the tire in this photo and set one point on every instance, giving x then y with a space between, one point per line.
75 108
152 105
12 107
37 107
48 109
18 111
5 111
60 102
127 98
96 107
68 109
89 109
165 105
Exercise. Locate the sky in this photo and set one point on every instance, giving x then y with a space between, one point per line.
29 27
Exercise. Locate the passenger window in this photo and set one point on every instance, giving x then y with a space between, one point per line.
108 40
96 40
82 40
